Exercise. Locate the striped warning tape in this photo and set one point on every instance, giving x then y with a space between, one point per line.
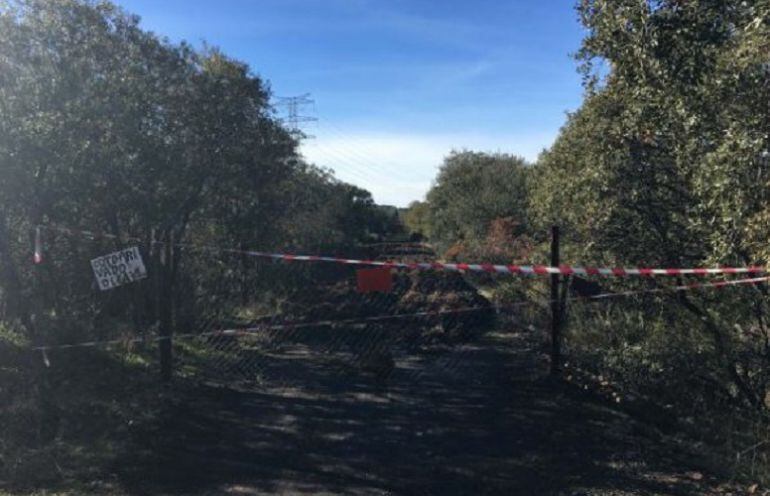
380 318
453 267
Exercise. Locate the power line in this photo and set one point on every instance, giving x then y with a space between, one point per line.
339 158
359 151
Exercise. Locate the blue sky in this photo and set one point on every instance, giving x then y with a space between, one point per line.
398 84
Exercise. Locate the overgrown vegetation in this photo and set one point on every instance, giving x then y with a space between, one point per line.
477 198
666 163
106 127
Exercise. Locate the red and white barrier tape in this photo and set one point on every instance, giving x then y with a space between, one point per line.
514 269
245 331
454 267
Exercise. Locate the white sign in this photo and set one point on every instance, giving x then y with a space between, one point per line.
119 268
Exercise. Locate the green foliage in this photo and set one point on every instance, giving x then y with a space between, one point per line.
471 191
666 164
104 126
417 219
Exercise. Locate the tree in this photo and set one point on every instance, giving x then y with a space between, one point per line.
665 164
106 127
417 220
472 190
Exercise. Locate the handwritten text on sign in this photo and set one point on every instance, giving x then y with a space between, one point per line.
119 268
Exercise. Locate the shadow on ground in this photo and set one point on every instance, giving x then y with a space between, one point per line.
478 420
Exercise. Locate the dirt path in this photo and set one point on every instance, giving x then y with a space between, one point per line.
477 420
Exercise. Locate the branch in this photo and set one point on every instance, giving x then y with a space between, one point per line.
721 347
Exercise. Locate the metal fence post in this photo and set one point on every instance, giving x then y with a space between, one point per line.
556 307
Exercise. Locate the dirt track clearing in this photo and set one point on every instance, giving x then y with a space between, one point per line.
477 420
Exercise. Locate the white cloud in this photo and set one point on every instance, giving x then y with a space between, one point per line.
399 168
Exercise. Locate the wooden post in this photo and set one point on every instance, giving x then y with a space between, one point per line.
165 313
556 307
